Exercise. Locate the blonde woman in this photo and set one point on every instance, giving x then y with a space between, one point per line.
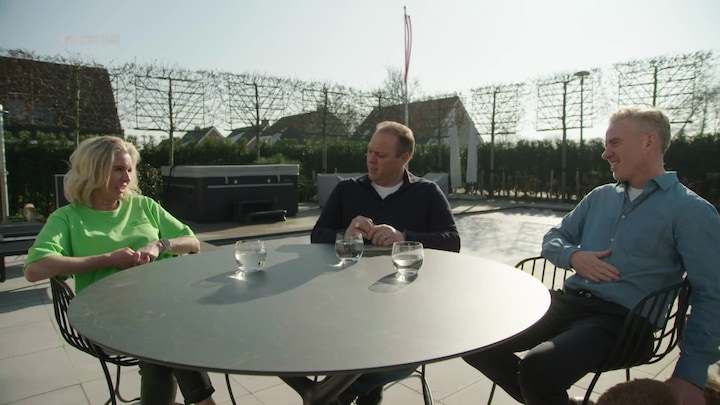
108 227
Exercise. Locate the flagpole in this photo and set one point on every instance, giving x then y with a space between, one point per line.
408 48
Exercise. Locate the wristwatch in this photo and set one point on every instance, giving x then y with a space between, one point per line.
165 245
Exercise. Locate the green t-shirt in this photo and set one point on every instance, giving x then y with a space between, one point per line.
79 231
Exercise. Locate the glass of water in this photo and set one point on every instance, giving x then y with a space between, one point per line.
250 256
348 248
407 257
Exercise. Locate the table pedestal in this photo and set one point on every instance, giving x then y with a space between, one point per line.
323 391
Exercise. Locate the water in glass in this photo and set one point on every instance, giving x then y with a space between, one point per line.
348 248
250 255
407 257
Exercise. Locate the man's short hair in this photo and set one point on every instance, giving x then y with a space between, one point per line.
641 391
647 120
406 139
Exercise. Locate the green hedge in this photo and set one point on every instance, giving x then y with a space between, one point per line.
522 170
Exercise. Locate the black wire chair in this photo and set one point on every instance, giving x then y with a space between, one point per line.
420 374
662 313
62 294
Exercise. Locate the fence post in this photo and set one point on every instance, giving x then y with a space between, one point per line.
577 184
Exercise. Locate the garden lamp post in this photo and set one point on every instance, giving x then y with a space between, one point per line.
582 74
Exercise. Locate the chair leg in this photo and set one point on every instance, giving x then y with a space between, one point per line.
492 394
227 381
117 387
108 380
427 394
590 388
627 374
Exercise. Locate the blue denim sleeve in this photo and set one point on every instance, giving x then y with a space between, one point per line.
563 240
697 236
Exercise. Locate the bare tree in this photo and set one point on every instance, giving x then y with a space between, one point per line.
168 99
496 110
562 106
254 99
711 111
393 87
337 110
678 84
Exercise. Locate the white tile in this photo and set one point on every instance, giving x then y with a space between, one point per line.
22 313
97 390
66 396
255 383
28 338
448 377
35 373
479 393
280 394
404 394
221 391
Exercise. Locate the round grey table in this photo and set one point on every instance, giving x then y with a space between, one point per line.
304 315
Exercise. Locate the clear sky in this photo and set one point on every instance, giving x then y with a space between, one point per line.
457 44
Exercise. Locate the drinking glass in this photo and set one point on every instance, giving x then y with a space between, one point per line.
407 257
348 248
250 256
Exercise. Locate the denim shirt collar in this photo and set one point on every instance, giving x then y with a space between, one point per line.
663 181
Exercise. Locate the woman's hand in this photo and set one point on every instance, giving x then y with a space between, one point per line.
124 258
147 253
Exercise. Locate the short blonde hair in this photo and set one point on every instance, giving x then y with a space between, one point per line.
406 139
91 165
640 391
647 120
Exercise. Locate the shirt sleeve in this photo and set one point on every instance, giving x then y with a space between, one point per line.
443 232
330 221
52 240
168 226
697 235
561 241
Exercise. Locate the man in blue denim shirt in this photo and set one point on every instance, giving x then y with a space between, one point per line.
623 240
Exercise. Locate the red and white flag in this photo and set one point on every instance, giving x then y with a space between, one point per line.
408 45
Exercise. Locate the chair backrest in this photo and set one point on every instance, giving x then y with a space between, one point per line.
62 294
549 274
662 313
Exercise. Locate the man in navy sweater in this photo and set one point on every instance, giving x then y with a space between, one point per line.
388 204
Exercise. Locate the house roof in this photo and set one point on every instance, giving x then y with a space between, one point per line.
43 96
198 134
247 133
309 126
426 118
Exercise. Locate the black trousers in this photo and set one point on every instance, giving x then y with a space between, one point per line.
157 385
573 338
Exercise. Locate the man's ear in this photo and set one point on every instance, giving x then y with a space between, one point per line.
650 140
405 158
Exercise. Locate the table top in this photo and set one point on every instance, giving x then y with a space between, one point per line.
304 315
